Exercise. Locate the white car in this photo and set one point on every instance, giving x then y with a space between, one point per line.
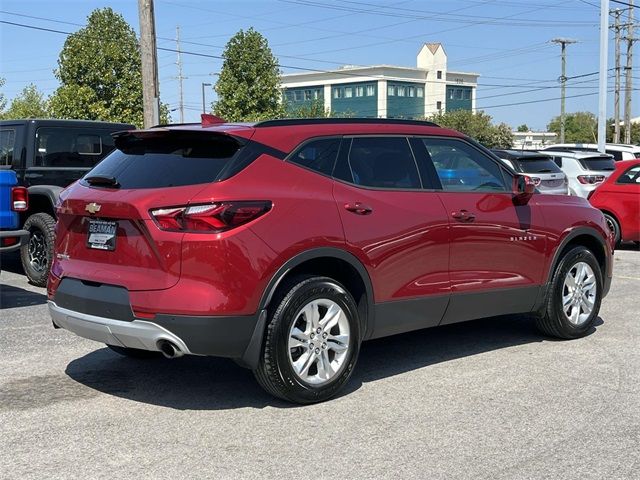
585 170
619 151
544 172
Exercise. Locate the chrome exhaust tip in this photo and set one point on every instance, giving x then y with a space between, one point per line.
169 349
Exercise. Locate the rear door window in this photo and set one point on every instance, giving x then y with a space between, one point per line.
462 168
597 163
381 162
7 146
167 161
71 147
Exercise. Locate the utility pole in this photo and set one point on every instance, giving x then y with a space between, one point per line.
150 89
604 73
563 80
180 77
616 93
628 77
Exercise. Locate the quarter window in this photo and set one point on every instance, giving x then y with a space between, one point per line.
318 155
382 162
7 145
71 147
462 168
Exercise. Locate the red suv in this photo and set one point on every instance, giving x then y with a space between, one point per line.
285 244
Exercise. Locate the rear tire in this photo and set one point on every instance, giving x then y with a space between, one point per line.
134 352
312 340
614 226
573 301
36 255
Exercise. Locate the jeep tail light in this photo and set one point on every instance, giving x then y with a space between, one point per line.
590 179
536 181
212 217
19 199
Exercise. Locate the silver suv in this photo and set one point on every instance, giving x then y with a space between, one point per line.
619 151
546 175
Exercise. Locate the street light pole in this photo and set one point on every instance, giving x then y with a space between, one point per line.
604 48
204 108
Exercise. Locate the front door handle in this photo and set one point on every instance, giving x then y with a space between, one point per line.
358 208
463 216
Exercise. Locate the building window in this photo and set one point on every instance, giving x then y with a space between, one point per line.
359 91
401 91
458 94
411 92
297 95
391 91
338 93
439 74
419 92
371 90
307 94
439 105
288 95
467 94
348 92
451 94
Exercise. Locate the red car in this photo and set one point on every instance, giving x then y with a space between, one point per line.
619 199
285 244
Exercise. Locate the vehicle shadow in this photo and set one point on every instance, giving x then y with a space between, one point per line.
207 383
14 297
11 263
631 246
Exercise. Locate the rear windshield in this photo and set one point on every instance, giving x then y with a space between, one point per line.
535 165
167 161
597 163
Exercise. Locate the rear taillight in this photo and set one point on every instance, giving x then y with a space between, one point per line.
212 218
19 199
590 179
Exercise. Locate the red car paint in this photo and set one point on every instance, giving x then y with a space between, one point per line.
412 244
621 200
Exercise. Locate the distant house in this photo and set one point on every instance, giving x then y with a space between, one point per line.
533 140
386 91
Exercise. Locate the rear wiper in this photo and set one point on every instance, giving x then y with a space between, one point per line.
102 181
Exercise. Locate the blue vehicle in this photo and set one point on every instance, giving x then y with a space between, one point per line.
13 199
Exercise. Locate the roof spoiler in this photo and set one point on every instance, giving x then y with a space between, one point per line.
209 120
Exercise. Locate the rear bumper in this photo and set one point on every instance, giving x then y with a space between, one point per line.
22 235
237 337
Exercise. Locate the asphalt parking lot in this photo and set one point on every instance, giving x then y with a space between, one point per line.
485 399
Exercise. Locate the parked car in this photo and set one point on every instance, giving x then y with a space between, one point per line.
544 172
619 151
284 244
585 171
48 155
13 200
619 199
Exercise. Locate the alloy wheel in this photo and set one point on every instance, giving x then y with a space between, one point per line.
579 293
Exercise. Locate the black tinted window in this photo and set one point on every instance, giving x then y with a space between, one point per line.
167 161
7 144
632 175
598 163
71 147
383 162
318 155
536 165
462 168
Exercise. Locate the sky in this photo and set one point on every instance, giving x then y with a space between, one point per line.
508 42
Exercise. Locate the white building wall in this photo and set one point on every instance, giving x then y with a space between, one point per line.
382 99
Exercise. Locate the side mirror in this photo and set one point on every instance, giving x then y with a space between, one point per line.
523 189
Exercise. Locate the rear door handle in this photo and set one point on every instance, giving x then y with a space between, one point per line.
358 208
463 216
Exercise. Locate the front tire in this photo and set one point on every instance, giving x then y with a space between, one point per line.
312 341
36 255
573 301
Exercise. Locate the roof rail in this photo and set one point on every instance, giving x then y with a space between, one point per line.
330 121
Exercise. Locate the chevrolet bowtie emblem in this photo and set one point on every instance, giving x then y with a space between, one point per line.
93 207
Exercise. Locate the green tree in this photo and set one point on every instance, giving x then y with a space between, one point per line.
3 100
248 87
579 127
99 69
635 132
314 109
476 125
523 128
29 104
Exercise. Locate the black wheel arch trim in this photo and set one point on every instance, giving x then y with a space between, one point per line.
50 192
251 356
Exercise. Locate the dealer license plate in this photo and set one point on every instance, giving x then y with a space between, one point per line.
102 234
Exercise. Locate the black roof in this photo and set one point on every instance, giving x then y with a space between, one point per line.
52 122
519 154
332 121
